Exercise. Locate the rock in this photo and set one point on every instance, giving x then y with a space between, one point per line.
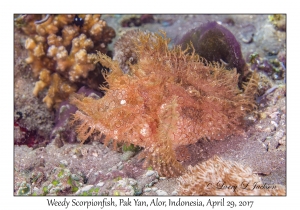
161 192
113 168
54 190
24 189
86 188
153 182
120 167
122 183
132 181
127 155
35 190
100 184
147 189
75 177
64 163
154 189
50 186
150 173
274 123
174 193
123 187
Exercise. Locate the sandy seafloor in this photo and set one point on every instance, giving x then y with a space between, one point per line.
98 170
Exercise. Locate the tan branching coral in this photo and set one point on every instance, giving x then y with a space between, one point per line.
59 88
219 177
57 44
169 98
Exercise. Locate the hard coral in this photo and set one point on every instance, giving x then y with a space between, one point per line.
168 99
61 51
219 177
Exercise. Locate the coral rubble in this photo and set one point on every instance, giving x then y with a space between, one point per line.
60 50
169 98
279 21
218 177
125 50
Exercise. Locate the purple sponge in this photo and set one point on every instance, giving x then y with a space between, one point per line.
215 43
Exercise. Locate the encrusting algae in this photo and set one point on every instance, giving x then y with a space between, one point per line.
169 98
